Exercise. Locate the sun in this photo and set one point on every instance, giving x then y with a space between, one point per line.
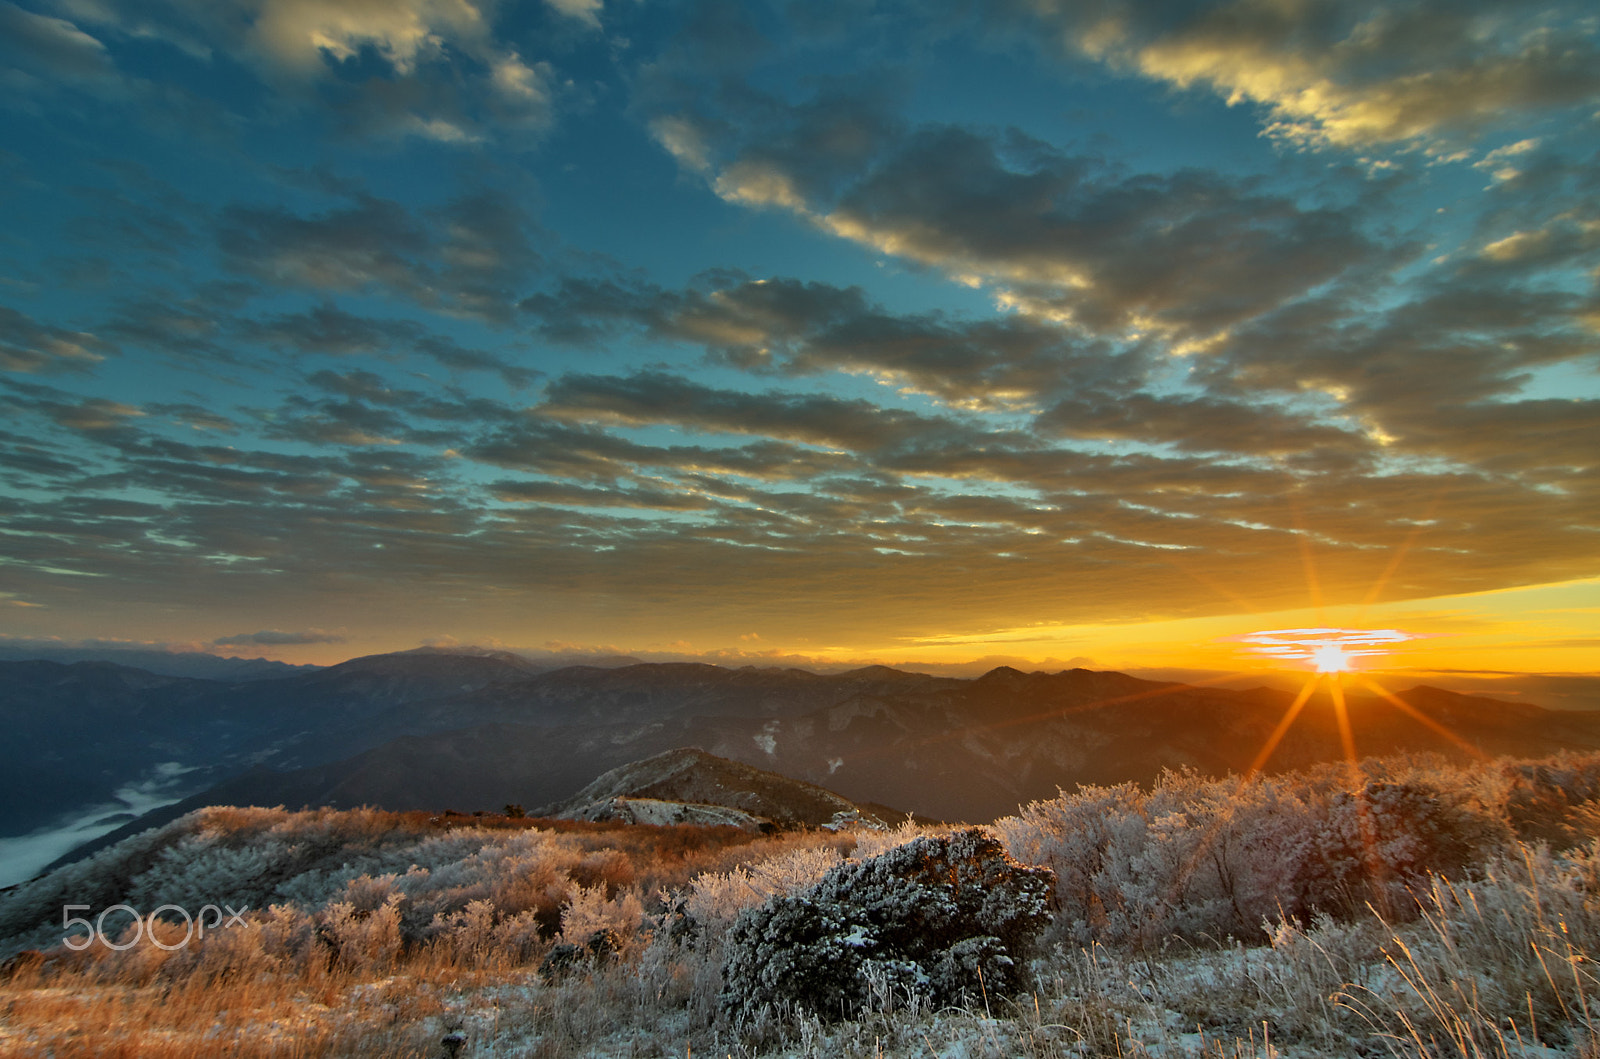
1331 658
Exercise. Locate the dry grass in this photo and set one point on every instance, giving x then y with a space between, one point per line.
266 1016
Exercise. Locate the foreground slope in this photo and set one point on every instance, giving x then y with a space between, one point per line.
365 932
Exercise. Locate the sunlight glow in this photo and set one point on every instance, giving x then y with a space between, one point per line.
1325 650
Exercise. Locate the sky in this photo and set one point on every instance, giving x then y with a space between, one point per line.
1076 331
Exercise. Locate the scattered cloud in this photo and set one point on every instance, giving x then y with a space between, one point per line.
432 70
1059 235
786 326
465 259
41 53
1340 74
585 11
30 347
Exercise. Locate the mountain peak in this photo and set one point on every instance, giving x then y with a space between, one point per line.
1002 675
432 658
463 651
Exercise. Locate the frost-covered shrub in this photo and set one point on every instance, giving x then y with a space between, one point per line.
715 899
946 919
1375 844
481 935
287 932
469 933
1195 857
608 868
589 911
361 941
1192 856
1073 835
239 951
1541 797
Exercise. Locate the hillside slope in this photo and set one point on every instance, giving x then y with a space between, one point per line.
690 775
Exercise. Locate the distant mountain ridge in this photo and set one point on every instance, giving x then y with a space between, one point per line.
196 664
439 728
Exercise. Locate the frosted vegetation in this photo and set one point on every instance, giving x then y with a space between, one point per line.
1415 909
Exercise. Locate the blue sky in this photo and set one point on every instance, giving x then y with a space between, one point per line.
793 330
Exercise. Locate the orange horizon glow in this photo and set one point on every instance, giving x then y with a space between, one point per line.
1550 629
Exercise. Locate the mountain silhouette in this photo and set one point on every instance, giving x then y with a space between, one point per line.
438 728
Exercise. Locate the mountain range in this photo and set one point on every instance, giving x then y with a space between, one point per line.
436 729
166 663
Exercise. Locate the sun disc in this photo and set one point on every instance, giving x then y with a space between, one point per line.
1330 658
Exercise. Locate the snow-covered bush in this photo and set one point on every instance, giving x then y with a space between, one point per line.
1373 845
589 911
945 919
1197 857
1540 797
1192 856
361 941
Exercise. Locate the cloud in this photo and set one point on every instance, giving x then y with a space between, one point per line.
587 453
1346 74
98 417
277 638
389 69
48 52
487 251
306 35
786 326
565 494
464 259
1193 378
1201 424
29 347
1195 483
1438 376
1192 252
194 417
183 328
370 243
585 11
1060 235
814 419
25 460
328 330
459 358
